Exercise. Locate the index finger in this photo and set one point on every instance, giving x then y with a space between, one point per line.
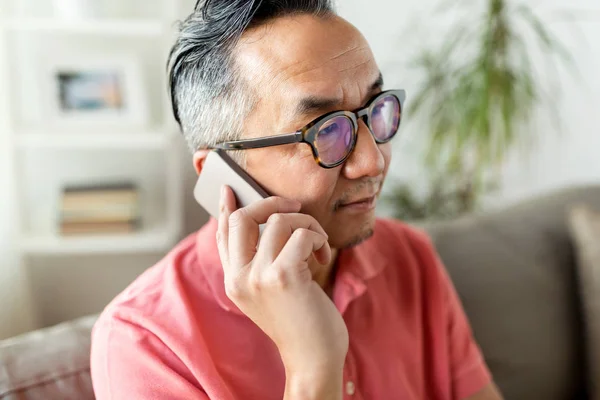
243 226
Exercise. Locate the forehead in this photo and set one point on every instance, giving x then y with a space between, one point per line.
307 55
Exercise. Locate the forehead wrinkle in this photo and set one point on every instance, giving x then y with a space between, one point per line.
272 70
357 66
357 47
256 42
288 72
365 59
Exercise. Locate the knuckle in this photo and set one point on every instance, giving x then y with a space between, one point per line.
255 283
310 218
302 234
278 202
275 219
233 288
278 279
315 223
275 199
236 217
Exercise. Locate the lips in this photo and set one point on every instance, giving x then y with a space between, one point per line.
368 199
364 197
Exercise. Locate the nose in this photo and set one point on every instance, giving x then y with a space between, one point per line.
366 160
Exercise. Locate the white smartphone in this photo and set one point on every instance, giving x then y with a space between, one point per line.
218 170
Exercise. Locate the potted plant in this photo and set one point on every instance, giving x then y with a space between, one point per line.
476 99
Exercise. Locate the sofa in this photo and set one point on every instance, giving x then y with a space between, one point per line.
515 271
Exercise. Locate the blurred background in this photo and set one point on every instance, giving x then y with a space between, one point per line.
499 148
504 94
95 177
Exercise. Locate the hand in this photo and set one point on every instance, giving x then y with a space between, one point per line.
271 282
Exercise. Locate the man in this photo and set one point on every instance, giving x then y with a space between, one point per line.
330 303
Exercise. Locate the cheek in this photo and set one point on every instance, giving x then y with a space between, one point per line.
314 190
295 177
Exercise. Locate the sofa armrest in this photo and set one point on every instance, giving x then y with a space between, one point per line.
51 363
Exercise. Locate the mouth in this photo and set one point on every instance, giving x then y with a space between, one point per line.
360 204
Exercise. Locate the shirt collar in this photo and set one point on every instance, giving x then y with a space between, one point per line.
356 265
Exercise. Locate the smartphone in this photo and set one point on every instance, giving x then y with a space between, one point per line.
218 170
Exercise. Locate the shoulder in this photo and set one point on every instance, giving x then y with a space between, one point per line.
158 301
152 327
409 251
399 235
150 287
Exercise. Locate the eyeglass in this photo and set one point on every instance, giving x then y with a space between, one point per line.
333 136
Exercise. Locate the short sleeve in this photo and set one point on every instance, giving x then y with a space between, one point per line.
129 362
469 373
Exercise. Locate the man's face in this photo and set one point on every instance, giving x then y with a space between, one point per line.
303 57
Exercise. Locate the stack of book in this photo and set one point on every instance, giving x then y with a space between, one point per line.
99 209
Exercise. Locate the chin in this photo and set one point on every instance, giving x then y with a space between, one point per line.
358 239
352 234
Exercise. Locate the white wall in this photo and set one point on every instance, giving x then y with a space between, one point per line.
396 28
16 313
45 290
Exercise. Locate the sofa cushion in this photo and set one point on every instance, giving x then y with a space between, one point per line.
515 273
48 364
585 228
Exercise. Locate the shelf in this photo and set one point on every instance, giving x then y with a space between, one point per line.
90 26
144 140
159 239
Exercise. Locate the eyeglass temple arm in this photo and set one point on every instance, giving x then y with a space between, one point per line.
268 141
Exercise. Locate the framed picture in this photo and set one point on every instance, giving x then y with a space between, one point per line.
96 92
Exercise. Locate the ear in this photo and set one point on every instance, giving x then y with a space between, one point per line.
199 158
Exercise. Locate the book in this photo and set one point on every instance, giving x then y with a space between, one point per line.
80 228
98 199
112 212
100 208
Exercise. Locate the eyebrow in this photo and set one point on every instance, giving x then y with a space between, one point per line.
313 104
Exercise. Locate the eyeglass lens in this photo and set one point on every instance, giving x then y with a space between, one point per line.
334 139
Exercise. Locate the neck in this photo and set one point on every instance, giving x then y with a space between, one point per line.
324 275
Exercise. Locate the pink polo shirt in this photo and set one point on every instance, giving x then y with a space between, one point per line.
174 334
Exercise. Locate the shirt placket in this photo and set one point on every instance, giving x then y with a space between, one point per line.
349 289
350 377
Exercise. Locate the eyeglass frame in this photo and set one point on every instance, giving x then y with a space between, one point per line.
308 133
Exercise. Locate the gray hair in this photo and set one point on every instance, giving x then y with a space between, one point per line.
209 97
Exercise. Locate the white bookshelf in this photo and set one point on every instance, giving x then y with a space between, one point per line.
159 237
152 146
150 140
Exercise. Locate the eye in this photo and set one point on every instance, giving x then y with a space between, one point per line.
378 108
329 129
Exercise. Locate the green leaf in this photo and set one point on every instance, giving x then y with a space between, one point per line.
477 96
550 43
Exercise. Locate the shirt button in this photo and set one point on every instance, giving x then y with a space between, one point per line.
350 388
